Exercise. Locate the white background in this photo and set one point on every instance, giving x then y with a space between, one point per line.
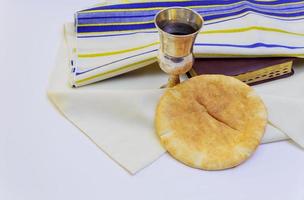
43 156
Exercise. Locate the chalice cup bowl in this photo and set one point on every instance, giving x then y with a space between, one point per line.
178 28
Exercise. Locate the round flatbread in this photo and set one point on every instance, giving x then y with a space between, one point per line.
211 122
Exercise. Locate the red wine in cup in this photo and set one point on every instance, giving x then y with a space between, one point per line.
178 28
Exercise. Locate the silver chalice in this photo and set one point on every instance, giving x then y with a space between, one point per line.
178 28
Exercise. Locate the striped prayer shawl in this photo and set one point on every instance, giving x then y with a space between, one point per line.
114 39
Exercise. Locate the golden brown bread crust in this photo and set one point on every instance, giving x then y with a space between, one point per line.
211 122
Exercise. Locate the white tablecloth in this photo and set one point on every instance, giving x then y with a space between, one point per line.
118 114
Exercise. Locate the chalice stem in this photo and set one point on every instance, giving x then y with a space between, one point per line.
173 81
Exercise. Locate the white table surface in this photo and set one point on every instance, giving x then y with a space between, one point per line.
43 156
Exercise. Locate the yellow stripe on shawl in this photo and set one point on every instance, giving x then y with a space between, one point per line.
210 55
260 28
114 70
92 55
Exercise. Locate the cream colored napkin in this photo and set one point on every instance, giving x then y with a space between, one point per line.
117 114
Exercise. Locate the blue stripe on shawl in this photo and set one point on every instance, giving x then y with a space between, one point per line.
205 24
188 3
88 29
250 46
126 14
125 18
